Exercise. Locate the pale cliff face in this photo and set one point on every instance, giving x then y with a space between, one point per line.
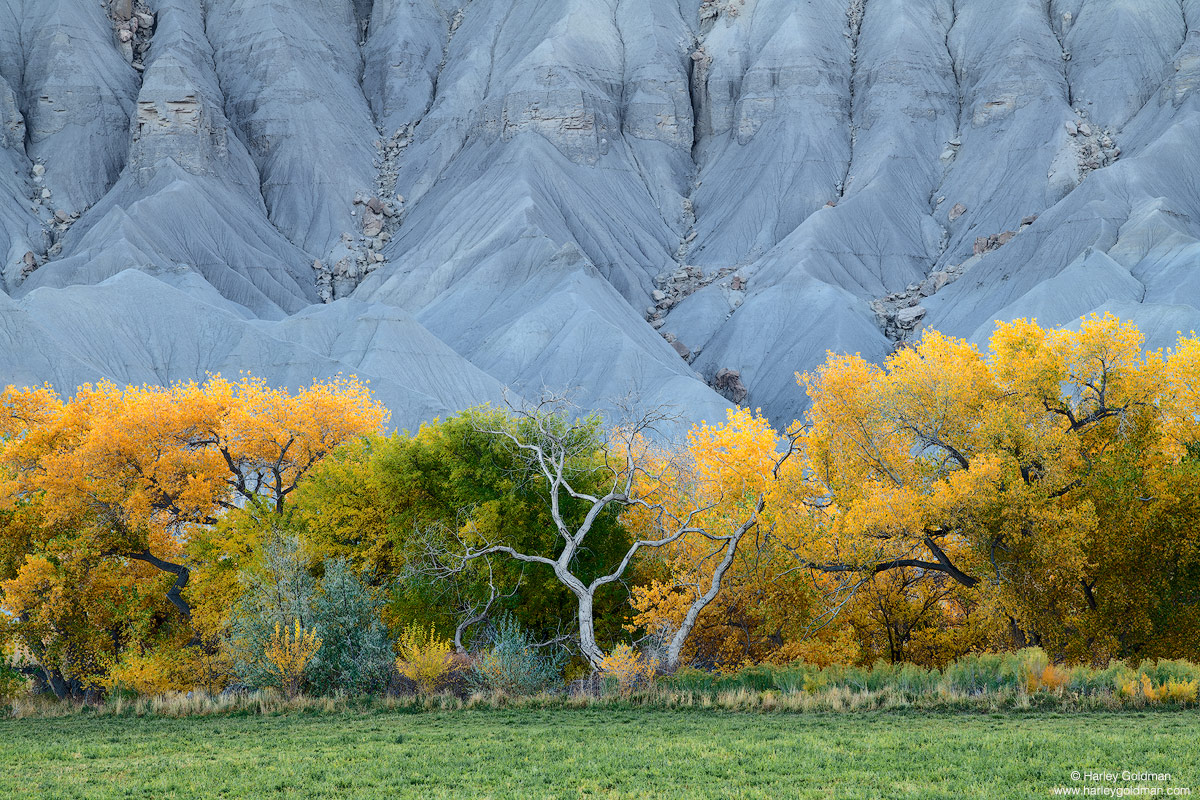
609 194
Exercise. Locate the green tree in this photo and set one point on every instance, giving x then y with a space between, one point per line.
381 502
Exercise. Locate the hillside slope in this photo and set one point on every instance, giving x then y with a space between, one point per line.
619 195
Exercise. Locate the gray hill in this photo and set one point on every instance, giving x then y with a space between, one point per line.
690 199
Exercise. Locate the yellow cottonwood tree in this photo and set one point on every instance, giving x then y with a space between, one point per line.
986 469
727 476
126 479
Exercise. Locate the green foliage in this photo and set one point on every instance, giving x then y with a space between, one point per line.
1166 670
279 595
12 683
1147 593
984 672
343 613
381 501
513 664
974 674
356 652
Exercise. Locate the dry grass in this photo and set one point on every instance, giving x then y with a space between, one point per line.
836 699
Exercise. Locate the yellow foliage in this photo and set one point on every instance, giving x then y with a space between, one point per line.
631 668
1183 395
723 471
425 658
975 466
829 646
101 490
1172 691
1180 691
1049 679
288 652
165 670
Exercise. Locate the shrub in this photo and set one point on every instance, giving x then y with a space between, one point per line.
339 610
1165 670
425 658
514 664
975 673
1170 691
791 681
277 598
632 669
690 679
1180 691
356 654
992 672
287 654
12 683
169 669
1050 679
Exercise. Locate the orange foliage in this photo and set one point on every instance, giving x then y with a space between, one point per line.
104 493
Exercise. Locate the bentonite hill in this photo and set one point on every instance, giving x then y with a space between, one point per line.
691 199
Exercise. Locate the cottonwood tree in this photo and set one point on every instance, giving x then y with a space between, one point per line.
732 473
121 480
364 502
667 496
999 471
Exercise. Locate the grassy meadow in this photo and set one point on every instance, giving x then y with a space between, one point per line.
582 752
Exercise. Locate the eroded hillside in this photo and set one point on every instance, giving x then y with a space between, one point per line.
659 195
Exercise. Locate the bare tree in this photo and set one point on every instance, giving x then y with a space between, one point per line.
560 450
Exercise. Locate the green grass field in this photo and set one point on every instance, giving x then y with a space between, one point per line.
590 753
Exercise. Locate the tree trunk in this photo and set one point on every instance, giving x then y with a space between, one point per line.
38 679
459 647
57 684
1019 639
587 632
689 620
182 575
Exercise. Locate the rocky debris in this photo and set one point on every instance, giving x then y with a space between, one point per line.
957 211
679 347
323 280
710 10
382 213
907 318
372 224
675 286
728 383
29 263
133 24
1095 148
55 221
951 151
986 244
899 313
347 271
40 193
